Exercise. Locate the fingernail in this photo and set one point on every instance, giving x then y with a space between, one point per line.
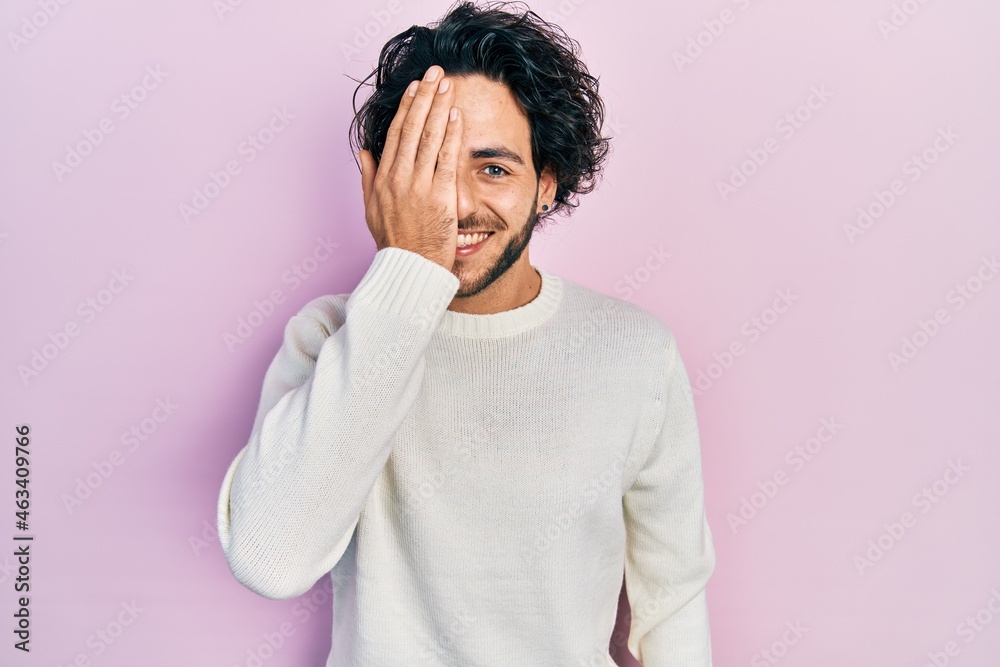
443 86
411 90
431 74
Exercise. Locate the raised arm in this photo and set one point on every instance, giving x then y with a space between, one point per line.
330 404
336 392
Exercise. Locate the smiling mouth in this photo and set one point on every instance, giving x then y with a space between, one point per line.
466 240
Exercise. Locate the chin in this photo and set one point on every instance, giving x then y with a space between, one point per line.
477 272
471 281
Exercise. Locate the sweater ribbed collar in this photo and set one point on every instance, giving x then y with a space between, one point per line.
508 322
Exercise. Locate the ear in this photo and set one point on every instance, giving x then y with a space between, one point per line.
547 186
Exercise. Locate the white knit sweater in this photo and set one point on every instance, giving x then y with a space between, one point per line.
477 484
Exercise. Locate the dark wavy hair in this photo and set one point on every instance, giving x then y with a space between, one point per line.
535 59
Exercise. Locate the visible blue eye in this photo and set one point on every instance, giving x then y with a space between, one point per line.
496 166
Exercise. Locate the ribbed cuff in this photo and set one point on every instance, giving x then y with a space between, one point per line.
407 284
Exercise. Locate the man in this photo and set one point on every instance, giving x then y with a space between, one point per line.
477 448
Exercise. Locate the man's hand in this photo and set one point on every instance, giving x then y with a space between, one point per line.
411 201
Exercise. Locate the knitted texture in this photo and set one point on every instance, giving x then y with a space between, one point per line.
477 485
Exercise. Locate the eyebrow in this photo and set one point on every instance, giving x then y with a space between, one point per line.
488 152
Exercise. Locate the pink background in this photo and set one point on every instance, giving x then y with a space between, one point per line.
679 131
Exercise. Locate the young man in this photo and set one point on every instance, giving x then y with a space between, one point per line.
476 448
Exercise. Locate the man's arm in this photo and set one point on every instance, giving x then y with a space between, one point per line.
670 555
330 405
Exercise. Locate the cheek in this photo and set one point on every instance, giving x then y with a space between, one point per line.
510 199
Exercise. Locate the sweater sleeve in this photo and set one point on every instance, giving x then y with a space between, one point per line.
330 404
670 555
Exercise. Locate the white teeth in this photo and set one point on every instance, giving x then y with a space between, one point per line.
470 239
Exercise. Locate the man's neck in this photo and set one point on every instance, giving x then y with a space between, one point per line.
519 285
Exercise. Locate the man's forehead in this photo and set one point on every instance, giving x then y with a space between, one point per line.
492 116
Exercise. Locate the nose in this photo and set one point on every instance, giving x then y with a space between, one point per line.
467 204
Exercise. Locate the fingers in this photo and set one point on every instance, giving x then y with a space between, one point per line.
395 128
433 132
423 129
447 157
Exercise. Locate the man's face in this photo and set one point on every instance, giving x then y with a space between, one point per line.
496 192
